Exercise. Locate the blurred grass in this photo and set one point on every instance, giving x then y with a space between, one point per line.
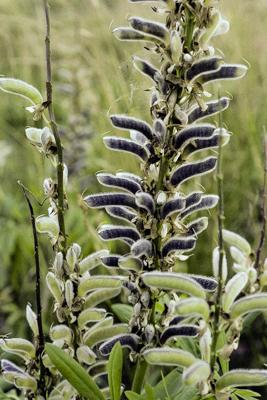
93 77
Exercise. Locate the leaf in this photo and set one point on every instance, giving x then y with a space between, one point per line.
247 394
150 392
122 311
114 368
133 396
22 89
74 373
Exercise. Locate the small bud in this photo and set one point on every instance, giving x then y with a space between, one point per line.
55 286
205 345
215 264
61 332
85 355
49 187
149 333
69 293
58 263
32 320
72 256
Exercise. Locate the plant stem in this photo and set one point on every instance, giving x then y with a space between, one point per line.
54 128
263 207
217 314
41 340
139 375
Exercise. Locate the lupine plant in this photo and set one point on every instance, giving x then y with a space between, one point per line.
135 325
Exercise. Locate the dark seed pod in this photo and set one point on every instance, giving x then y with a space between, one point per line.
191 133
178 244
197 226
130 34
126 340
111 261
208 283
118 182
193 199
145 201
191 170
178 331
213 107
112 232
142 247
149 27
172 207
110 199
207 202
130 123
212 143
127 145
203 66
176 320
147 69
225 72
160 130
121 213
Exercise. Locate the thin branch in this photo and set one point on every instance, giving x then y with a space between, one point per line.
263 207
54 127
41 340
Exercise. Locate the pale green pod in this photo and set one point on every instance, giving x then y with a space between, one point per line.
197 373
55 286
61 332
130 263
237 255
92 261
233 239
18 346
48 225
193 306
22 89
248 304
263 279
176 46
233 288
210 30
101 295
101 324
169 356
205 345
26 382
242 377
99 282
32 320
104 333
71 258
85 355
173 281
90 315
34 136
215 264
69 293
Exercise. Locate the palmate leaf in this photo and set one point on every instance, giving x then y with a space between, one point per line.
74 373
114 368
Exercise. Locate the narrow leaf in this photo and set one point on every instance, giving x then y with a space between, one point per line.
114 368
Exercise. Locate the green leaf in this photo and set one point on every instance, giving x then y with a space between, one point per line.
22 89
114 368
150 392
74 373
169 385
247 394
133 396
122 311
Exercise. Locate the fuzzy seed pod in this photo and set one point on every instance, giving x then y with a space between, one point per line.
179 244
86 355
193 306
248 304
121 213
55 286
92 261
167 356
110 199
242 377
105 333
32 320
20 347
22 89
120 182
178 331
196 373
129 123
128 146
149 27
213 107
126 340
98 282
233 239
190 170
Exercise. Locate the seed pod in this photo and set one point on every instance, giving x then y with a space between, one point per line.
197 226
208 283
168 356
186 135
110 199
234 71
213 107
99 282
98 370
173 281
145 201
48 225
101 295
55 286
197 373
61 333
34 136
248 304
242 377
108 321
159 130
118 182
10 370
104 333
233 288
203 66
90 315
178 244
172 206
207 202
193 306
121 213
71 258
233 239
129 123
92 261
21 347
223 27
22 89
126 340
112 232
215 264
178 331
111 261
86 355
210 30
142 247
205 342
188 171
69 293
130 34
25 382
212 143
131 264
126 145
237 255
149 27
147 69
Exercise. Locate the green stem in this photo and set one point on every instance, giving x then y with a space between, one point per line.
54 128
139 375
